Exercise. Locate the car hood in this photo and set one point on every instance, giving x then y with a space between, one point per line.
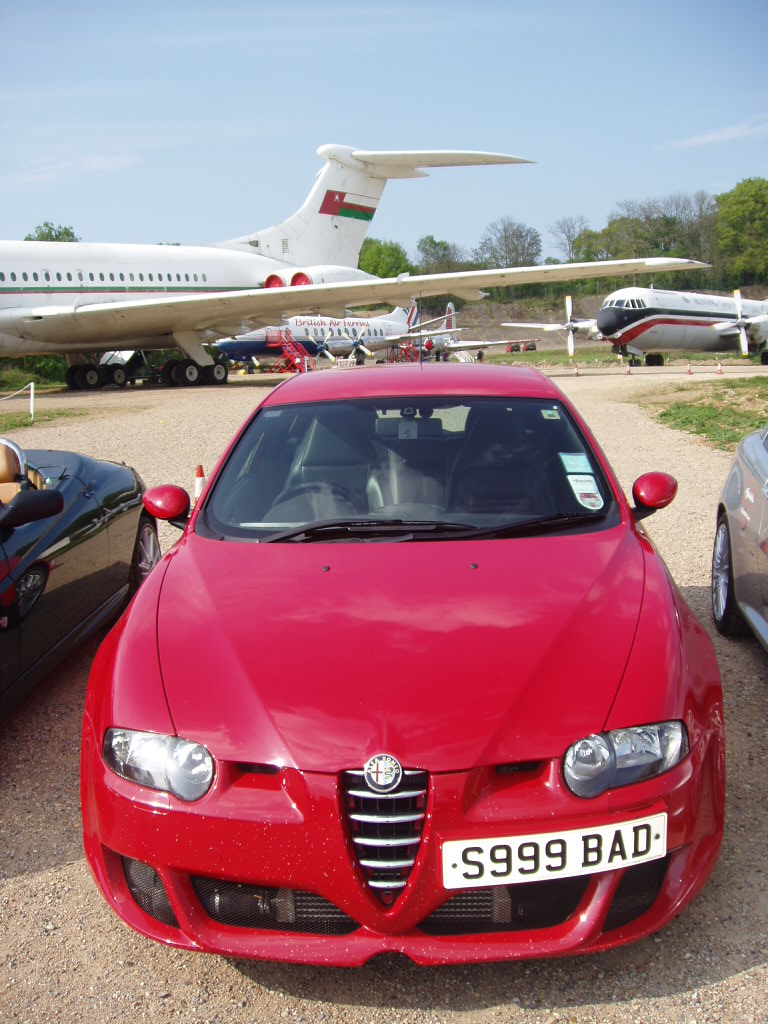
445 655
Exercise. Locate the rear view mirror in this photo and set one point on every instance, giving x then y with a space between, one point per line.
651 492
168 502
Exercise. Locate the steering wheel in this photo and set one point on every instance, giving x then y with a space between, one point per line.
318 487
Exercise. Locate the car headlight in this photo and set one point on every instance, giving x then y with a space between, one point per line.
618 758
168 763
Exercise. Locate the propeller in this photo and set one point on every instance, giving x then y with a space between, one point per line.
570 325
322 347
358 345
741 323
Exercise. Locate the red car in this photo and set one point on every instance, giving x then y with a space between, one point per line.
413 680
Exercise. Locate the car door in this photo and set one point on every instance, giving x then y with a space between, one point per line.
55 565
9 635
761 538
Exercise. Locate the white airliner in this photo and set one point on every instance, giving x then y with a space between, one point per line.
650 321
78 298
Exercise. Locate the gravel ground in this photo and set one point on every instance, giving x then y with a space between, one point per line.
65 957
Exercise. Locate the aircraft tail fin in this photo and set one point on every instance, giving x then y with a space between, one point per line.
330 226
450 317
413 317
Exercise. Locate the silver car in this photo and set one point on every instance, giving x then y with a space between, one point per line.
740 555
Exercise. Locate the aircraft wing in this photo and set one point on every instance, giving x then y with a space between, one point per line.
225 314
535 327
467 346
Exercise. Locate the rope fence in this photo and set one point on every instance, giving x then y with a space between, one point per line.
31 387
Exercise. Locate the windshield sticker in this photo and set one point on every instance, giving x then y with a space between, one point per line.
550 414
575 462
585 489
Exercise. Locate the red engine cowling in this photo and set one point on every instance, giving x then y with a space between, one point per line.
328 274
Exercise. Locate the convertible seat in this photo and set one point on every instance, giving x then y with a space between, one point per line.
11 478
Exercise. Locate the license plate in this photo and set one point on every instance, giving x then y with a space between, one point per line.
510 860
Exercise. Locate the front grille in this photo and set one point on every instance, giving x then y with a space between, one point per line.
386 829
636 892
507 908
270 909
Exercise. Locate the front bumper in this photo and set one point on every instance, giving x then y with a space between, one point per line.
265 866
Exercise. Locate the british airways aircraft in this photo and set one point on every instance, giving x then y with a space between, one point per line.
81 298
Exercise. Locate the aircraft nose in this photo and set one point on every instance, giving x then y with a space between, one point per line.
608 321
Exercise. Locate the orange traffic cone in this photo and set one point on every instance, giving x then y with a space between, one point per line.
199 483
719 370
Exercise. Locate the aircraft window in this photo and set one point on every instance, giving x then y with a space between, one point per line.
141 277
205 277
194 276
24 276
186 277
122 277
150 277
90 277
101 277
13 275
354 332
306 332
47 276
178 277
79 275
34 276
111 277
2 276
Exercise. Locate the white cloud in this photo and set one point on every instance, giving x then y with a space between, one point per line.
756 128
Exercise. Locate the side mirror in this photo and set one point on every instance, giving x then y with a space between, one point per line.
652 491
168 502
30 506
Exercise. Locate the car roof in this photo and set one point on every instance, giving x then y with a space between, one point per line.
415 379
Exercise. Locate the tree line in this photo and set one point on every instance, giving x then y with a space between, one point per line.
727 231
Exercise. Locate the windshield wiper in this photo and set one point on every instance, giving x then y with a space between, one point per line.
395 529
544 524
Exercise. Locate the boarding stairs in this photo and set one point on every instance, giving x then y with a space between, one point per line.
405 352
294 358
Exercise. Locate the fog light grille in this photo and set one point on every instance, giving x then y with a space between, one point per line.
147 889
636 892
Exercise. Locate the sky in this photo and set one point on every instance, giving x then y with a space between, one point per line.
200 121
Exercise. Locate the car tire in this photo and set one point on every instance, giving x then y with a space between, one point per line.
146 554
727 615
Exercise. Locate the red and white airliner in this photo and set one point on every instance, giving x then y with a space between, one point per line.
651 321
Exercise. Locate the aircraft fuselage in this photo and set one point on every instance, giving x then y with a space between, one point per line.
651 319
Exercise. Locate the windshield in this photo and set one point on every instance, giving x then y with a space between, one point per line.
432 465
